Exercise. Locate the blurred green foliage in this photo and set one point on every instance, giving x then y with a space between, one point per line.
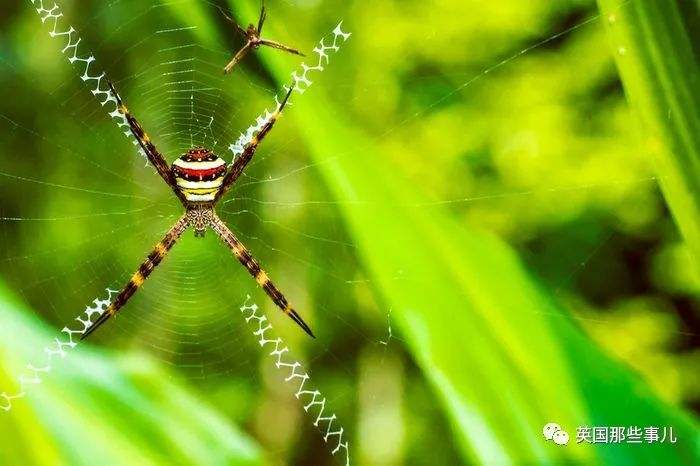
95 408
460 165
653 44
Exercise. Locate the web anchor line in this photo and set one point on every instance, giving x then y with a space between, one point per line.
33 375
95 80
300 81
326 423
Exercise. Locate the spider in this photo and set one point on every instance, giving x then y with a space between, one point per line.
199 179
253 40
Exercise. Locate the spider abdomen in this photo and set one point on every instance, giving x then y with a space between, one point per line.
199 175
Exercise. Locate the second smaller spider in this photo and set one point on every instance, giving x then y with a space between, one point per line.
254 41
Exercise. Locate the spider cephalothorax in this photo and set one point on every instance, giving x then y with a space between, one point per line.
200 217
199 179
253 35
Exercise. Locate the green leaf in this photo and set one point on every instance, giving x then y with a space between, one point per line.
653 45
95 408
502 355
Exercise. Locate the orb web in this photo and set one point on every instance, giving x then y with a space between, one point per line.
114 208
184 101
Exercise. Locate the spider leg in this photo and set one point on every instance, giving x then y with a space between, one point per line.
277 45
151 262
245 258
263 16
155 157
238 57
233 21
240 163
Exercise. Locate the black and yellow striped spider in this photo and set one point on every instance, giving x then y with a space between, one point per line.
199 179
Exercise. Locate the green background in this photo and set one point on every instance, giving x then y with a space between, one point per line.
485 211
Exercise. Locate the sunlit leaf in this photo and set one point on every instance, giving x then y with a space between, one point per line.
653 43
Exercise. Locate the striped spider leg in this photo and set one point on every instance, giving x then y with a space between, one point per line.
260 276
246 156
155 157
253 40
199 179
143 272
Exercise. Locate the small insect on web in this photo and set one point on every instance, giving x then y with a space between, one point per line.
199 179
253 39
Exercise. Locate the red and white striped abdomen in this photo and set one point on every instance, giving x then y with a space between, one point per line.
199 175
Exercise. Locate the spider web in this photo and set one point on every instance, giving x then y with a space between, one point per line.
115 209
186 93
185 100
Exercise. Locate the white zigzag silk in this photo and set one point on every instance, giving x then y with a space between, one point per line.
315 402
